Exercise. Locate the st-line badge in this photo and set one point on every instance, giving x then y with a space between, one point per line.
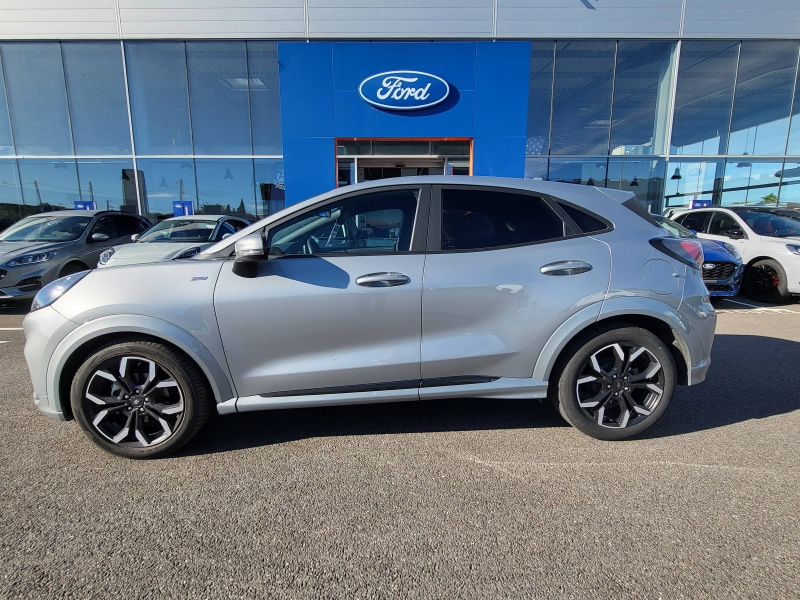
404 90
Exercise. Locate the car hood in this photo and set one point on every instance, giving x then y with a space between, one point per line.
145 252
9 250
715 252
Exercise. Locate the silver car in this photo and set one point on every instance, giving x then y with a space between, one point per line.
412 289
41 248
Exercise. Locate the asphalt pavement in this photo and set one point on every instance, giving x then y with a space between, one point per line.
442 499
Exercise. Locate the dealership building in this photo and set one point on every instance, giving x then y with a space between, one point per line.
245 107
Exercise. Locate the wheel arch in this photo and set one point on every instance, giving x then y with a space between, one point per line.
74 261
84 340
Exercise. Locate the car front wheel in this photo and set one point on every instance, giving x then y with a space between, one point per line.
139 399
616 383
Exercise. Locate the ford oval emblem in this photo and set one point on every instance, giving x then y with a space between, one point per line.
404 90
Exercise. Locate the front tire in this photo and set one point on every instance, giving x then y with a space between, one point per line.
616 383
765 281
139 399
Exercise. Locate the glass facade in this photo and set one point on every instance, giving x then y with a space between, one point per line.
671 122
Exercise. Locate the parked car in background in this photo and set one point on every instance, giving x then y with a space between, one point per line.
5 224
323 303
768 240
175 238
722 265
46 246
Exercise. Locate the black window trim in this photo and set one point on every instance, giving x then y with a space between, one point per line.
572 231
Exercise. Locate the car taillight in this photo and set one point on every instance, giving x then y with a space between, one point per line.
689 252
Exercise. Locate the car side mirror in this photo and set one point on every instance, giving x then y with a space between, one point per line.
693 231
226 236
99 237
249 251
135 237
735 234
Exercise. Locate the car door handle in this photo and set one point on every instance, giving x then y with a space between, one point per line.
382 279
566 267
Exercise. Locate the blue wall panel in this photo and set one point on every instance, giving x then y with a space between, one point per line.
319 81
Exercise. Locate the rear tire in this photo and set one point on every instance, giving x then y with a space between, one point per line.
139 399
765 281
616 383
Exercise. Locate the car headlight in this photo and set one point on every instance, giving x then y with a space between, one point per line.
793 248
53 291
732 250
106 256
188 253
29 259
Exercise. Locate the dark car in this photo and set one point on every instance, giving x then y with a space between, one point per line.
41 248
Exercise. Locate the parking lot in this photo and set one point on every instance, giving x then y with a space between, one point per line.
441 499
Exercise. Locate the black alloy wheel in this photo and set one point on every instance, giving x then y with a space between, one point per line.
765 281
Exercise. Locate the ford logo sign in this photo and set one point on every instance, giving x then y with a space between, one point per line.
709 266
404 90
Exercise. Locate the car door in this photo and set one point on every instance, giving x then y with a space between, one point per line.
338 307
504 269
726 227
105 225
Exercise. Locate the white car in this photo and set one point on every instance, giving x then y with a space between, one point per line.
175 238
768 240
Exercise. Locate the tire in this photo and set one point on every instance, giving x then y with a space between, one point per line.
765 281
115 403
72 268
591 405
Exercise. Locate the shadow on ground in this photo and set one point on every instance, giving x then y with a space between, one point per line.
751 378
22 307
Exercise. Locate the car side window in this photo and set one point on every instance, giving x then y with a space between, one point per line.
225 229
481 219
721 223
364 224
693 220
236 224
129 225
105 225
584 220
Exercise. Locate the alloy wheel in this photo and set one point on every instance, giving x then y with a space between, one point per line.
133 401
762 281
620 385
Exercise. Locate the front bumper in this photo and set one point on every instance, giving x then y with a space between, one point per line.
725 287
44 330
22 283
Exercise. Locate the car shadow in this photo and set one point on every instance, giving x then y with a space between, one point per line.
19 307
738 388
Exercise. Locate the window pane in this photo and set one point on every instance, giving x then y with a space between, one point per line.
694 220
163 181
159 102
750 181
97 97
218 94
127 225
6 143
400 148
450 148
377 222
794 132
109 183
37 98
225 187
693 180
540 92
643 177
49 184
270 189
536 168
265 101
582 103
763 97
473 219
11 206
704 97
586 171
348 148
641 92
790 184
582 219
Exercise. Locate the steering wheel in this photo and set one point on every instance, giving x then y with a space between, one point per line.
312 246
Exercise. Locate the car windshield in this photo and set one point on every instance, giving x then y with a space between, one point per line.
674 228
46 229
770 224
189 230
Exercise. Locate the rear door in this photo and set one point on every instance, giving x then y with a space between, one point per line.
504 269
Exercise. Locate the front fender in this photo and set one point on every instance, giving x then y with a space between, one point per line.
217 375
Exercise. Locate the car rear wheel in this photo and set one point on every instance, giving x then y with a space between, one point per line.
616 383
765 281
139 399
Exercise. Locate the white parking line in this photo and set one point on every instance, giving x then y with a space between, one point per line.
3 341
742 303
10 328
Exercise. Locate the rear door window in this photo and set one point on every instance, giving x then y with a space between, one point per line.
694 220
482 219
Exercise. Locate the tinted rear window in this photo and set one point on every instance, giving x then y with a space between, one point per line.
584 220
476 219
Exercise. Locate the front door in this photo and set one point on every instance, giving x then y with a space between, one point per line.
338 307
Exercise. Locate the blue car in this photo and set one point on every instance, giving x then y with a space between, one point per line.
722 267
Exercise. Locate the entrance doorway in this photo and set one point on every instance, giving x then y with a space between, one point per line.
368 160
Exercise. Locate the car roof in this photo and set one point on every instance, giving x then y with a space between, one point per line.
79 213
200 218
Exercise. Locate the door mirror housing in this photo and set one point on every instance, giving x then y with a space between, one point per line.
99 237
249 251
735 234
135 237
